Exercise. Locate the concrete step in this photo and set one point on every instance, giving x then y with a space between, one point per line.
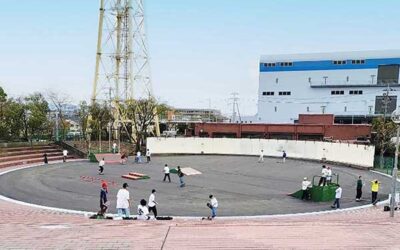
32 151
26 148
30 161
29 156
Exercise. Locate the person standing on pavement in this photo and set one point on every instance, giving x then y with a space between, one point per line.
114 148
153 203
328 175
360 184
101 166
338 196
261 158
213 205
123 201
45 160
138 157
324 173
103 198
65 154
181 175
148 155
305 185
166 173
284 156
374 191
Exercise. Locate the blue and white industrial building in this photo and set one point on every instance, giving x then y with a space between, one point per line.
350 85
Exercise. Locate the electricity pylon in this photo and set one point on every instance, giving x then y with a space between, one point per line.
122 70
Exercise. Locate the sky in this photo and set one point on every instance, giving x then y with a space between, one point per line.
201 51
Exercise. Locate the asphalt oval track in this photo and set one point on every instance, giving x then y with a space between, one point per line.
242 186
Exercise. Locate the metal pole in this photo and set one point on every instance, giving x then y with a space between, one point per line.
57 132
109 136
394 174
119 139
98 54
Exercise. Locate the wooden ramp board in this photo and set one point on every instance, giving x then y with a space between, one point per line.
109 158
131 177
137 174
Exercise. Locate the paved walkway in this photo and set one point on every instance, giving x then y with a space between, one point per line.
23 227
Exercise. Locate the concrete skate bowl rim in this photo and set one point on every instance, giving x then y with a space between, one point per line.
255 217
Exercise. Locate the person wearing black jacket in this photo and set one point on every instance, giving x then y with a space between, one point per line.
180 175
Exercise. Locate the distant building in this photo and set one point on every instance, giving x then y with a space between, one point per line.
195 115
354 86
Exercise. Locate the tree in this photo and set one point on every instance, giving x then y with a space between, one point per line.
141 113
385 130
35 116
100 116
83 114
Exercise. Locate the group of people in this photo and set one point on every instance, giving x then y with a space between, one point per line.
124 203
144 208
326 179
65 156
261 158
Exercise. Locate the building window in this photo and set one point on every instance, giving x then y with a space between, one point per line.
355 92
285 93
337 92
269 65
285 64
357 61
268 93
339 62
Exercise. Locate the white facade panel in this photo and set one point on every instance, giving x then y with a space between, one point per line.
308 89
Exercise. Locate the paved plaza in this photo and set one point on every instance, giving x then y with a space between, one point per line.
25 227
242 186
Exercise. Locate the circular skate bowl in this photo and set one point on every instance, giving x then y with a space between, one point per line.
242 186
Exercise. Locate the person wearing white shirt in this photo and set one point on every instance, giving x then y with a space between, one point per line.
148 155
166 173
123 201
213 205
305 185
114 148
65 154
138 157
153 203
329 175
324 174
142 211
338 195
261 158
101 166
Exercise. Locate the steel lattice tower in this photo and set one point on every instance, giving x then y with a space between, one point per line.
122 70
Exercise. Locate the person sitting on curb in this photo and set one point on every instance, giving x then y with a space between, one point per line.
143 211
